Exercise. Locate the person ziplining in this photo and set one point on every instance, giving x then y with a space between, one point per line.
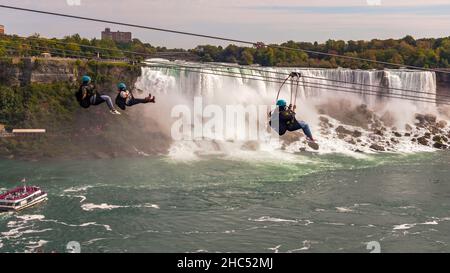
283 118
125 97
88 95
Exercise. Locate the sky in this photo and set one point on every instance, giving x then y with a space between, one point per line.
267 21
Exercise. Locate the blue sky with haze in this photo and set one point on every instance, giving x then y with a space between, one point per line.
262 20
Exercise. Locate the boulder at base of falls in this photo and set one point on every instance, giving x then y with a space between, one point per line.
378 132
397 134
324 119
442 124
377 147
439 145
356 134
435 130
437 138
427 118
420 118
408 127
313 145
407 134
291 137
325 122
342 130
422 140
430 118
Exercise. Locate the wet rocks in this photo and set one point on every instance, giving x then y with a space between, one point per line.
325 123
324 119
313 145
291 137
375 137
437 139
377 147
434 130
439 142
442 124
430 118
356 134
397 134
439 145
347 113
395 141
423 141
378 132
342 130
426 119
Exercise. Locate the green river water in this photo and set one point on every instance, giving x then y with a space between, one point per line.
316 203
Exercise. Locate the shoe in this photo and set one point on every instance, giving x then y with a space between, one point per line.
150 98
115 112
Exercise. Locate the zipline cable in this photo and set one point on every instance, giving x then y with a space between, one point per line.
279 80
257 44
272 72
338 89
316 85
311 85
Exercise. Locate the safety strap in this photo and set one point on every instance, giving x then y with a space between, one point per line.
292 75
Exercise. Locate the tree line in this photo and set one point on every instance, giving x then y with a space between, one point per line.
428 53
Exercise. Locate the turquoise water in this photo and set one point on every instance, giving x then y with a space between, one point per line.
313 204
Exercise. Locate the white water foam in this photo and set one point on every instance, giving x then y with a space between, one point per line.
35 246
104 206
78 189
180 87
272 219
409 226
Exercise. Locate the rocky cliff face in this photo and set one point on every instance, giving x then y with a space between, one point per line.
443 83
26 71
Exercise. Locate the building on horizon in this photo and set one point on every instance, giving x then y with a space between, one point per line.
118 36
2 29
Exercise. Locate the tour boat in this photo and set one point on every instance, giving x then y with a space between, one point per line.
21 198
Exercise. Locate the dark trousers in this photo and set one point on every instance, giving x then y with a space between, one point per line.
134 101
296 125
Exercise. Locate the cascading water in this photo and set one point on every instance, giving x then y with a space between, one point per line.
175 86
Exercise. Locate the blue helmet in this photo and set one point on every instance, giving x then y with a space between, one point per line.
281 103
122 86
86 79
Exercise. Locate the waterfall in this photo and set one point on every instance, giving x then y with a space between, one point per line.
177 86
